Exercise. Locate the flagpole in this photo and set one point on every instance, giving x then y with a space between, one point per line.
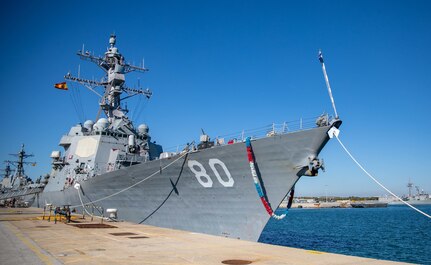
327 83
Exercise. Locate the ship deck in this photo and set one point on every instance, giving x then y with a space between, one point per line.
27 239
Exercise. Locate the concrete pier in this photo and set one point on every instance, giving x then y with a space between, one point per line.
27 239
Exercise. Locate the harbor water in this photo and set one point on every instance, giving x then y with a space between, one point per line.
395 233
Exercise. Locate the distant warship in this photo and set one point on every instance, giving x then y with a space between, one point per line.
16 188
227 187
421 197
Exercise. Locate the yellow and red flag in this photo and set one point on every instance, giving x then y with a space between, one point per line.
62 85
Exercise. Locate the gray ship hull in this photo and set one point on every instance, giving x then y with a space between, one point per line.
412 202
229 207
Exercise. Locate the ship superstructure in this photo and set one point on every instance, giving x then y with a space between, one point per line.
227 188
112 142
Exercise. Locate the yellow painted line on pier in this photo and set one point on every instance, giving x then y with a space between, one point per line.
315 252
12 219
59 218
43 257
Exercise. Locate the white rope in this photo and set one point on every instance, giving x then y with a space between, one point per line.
82 203
375 180
131 186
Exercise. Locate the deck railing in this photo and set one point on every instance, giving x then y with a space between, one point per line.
264 131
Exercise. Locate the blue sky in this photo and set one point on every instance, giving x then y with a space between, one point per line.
230 65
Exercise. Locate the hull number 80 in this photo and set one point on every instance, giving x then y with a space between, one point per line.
204 179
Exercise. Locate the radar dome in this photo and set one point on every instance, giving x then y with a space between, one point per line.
101 124
88 124
143 129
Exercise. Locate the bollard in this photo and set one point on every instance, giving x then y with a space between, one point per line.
112 214
103 215
68 214
50 209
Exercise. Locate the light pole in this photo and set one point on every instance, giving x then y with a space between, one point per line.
326 192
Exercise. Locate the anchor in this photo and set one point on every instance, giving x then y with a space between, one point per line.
313 167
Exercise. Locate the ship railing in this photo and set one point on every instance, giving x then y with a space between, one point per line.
269 130
264 131
129 159
123 160
176 149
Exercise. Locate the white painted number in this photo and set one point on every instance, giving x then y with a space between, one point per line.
215 161
201 174
204 179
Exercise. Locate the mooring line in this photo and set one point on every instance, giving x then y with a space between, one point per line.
82 203
129 187
376 181
174 188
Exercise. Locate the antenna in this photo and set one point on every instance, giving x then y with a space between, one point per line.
327 83
410 186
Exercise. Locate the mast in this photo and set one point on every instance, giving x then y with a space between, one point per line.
410 186
7 170
115 68
22 155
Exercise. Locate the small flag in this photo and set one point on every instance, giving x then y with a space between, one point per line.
61 86
320 56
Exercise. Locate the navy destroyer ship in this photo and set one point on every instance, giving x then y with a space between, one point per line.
226 187
16 188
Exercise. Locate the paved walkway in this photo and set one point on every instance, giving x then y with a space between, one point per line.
27 240
16 248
